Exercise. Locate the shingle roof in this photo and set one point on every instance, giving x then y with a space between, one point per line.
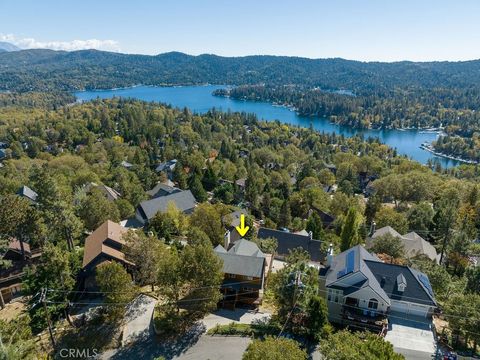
95 242
290 241
241 264
162 190
184 201
387 274
379 276
246 248
233 219
413 243
167 165
25 191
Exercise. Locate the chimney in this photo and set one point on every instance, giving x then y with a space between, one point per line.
310 235
372 228
226 240
330 255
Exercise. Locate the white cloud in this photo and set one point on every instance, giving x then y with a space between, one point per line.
31 43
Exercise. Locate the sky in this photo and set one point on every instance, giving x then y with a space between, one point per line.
367 30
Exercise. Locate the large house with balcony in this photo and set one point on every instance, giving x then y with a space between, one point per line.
361 290
244 266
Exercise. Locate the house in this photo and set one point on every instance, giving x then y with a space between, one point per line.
244 266
413 243
110 194
183 200
102 246
162 189
11 276
28 193
3 154
167 167
361 290
289 241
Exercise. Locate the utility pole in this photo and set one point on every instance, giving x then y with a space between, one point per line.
43 299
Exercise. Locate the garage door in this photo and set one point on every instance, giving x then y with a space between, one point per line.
398 306
409 308
418 310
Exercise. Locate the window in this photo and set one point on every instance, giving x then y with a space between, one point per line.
231 276
249 277
334 295
373 304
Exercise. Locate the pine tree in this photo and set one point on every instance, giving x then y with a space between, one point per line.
197 189
314 225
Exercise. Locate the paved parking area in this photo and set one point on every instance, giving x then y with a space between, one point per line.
412 336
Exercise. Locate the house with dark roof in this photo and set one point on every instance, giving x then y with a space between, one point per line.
289 241
244 266
102 246
167 167
28 193
361 290
413 244
162 189
183 200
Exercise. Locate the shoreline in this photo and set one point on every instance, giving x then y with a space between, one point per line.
429 148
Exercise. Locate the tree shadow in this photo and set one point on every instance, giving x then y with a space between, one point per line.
149 346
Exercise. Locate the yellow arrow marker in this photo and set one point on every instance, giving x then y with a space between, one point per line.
242 229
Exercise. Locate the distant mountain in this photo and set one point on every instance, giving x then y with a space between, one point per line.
40 69
5 46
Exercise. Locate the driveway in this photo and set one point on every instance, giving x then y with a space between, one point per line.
225 317
138 318
411 336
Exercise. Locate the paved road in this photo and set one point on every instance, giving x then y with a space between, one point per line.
217 348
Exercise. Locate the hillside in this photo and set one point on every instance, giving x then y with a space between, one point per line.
46 69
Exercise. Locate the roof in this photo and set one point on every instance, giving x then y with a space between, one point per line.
413 243
183 200
290 241
241 264
126 164
162 190
415 291
25 191
243 258
107 190
15 246
245 247
233 219
95 242
3 153
418 245
382 278
166 166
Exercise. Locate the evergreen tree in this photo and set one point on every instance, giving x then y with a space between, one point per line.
315 226
349 235
196 187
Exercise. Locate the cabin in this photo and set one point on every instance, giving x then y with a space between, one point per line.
19 255
102 246
244 268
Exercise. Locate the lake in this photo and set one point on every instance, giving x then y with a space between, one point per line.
200 99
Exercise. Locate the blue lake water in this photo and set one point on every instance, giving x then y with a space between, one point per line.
200 99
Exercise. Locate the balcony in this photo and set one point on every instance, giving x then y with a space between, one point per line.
363 318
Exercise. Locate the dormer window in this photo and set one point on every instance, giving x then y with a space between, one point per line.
401 283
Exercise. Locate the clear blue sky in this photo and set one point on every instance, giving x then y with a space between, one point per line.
384 30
